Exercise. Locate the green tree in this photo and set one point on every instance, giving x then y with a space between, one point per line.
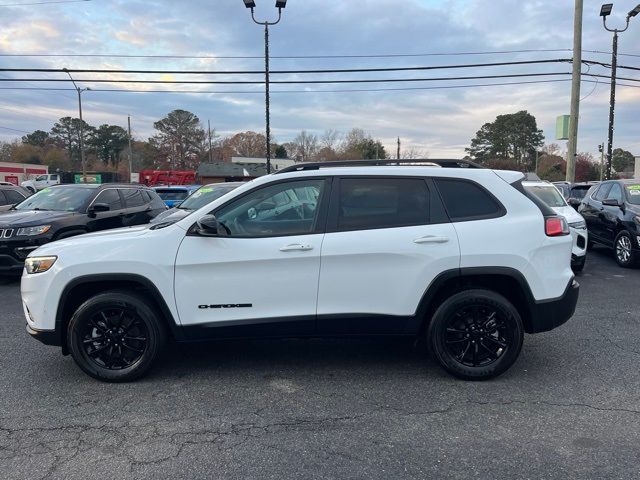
181 138
358 145
38 138
65 134
280 152
512 136
622 160
108 141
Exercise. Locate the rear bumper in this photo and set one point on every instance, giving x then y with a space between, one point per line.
549 314
48 337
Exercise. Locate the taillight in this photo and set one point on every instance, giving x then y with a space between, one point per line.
556 226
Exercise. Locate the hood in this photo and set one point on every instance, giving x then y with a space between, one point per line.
118 234
21 218
569 213
171 215
633 208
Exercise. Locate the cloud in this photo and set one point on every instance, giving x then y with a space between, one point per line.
441 121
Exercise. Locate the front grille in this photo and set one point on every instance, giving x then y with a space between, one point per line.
6 233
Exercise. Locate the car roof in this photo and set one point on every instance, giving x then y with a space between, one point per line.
224 184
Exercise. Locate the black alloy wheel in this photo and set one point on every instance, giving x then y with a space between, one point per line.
116 336
476 334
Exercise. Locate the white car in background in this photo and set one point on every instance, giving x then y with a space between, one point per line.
549 194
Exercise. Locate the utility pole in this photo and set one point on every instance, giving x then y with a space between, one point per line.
130 151
210 153
605 11
575 92
280 4
601 150
82 156
398 154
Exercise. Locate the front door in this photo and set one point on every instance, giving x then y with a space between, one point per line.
111 218
260 276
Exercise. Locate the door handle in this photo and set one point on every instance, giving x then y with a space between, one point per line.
296 247
431 239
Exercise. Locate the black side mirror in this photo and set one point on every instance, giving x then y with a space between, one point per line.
611 202
208 226
97 208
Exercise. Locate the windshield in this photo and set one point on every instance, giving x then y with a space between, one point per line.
548 194
205 195
579 192
172 194
67 199
633 194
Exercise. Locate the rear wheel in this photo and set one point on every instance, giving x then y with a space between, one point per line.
625 256
115 336
476 334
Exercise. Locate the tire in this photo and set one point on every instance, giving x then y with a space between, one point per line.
579 265
71 233
474 316
623 250
589 245
127 333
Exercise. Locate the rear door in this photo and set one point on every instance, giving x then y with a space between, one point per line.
610 214
387 239
593 211
138 211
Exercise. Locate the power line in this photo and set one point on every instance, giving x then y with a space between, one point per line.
285 82
13 129
41 3
234 92
285 57
288 72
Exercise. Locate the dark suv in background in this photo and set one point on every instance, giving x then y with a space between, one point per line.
67 210
573 193
612 213
11 195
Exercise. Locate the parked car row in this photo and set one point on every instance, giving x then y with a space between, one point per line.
53 213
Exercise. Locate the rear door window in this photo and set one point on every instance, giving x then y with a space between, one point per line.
368 203
133 197
466 200
13 197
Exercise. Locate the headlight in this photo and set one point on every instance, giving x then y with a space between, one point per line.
39 264
30 231
580 225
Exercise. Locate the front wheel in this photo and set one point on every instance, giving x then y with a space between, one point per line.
623 249
115 336
476 334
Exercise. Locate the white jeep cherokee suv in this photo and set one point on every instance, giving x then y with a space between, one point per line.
463 257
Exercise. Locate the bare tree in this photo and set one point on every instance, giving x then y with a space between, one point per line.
306 146
330 139
414 152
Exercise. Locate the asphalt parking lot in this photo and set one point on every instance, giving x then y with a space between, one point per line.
569 408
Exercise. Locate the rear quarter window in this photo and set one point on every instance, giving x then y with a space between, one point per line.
466 200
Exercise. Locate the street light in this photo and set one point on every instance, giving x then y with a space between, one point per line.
605 11
280 4
82 157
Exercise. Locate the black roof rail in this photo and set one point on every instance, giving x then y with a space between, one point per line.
446 163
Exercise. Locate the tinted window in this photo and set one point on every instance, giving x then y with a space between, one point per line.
579 192
616 193
133 197
366 203
13 197
274 210
466 200
602 192
3 200
111 197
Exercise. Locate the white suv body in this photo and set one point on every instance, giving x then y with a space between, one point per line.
363 250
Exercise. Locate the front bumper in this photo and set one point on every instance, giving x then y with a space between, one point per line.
549 314
48 337
13 252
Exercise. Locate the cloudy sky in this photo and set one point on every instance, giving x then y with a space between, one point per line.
440 121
